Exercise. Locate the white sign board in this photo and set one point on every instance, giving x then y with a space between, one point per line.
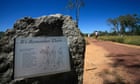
39 56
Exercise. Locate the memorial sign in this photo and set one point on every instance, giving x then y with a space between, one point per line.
37 56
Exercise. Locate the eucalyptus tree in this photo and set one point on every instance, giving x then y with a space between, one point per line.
132 22
128 22
122 22
115 24
76 4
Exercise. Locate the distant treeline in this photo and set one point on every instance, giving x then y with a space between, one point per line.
125 24
122 25
101 33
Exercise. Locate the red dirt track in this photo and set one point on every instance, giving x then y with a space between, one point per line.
125 60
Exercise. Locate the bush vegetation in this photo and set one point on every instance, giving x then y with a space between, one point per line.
135 40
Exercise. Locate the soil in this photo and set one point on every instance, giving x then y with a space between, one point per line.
111 63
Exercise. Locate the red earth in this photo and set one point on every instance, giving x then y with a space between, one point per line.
111 63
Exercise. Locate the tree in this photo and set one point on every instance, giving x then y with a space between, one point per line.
122 23
128 22
76 4
115 24
137 26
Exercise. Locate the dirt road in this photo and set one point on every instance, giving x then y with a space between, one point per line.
111 63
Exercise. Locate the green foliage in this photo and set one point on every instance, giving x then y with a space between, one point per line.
135 40
125 24
101 33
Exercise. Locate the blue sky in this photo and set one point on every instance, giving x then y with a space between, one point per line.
93 16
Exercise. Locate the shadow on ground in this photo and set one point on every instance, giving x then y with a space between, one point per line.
126 57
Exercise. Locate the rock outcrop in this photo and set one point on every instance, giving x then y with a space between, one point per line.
52 25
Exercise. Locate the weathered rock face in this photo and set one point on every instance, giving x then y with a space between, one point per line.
53 25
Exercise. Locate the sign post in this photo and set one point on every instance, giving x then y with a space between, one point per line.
39 56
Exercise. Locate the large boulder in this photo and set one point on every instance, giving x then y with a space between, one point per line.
52 25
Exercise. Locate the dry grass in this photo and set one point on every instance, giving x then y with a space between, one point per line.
134 40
